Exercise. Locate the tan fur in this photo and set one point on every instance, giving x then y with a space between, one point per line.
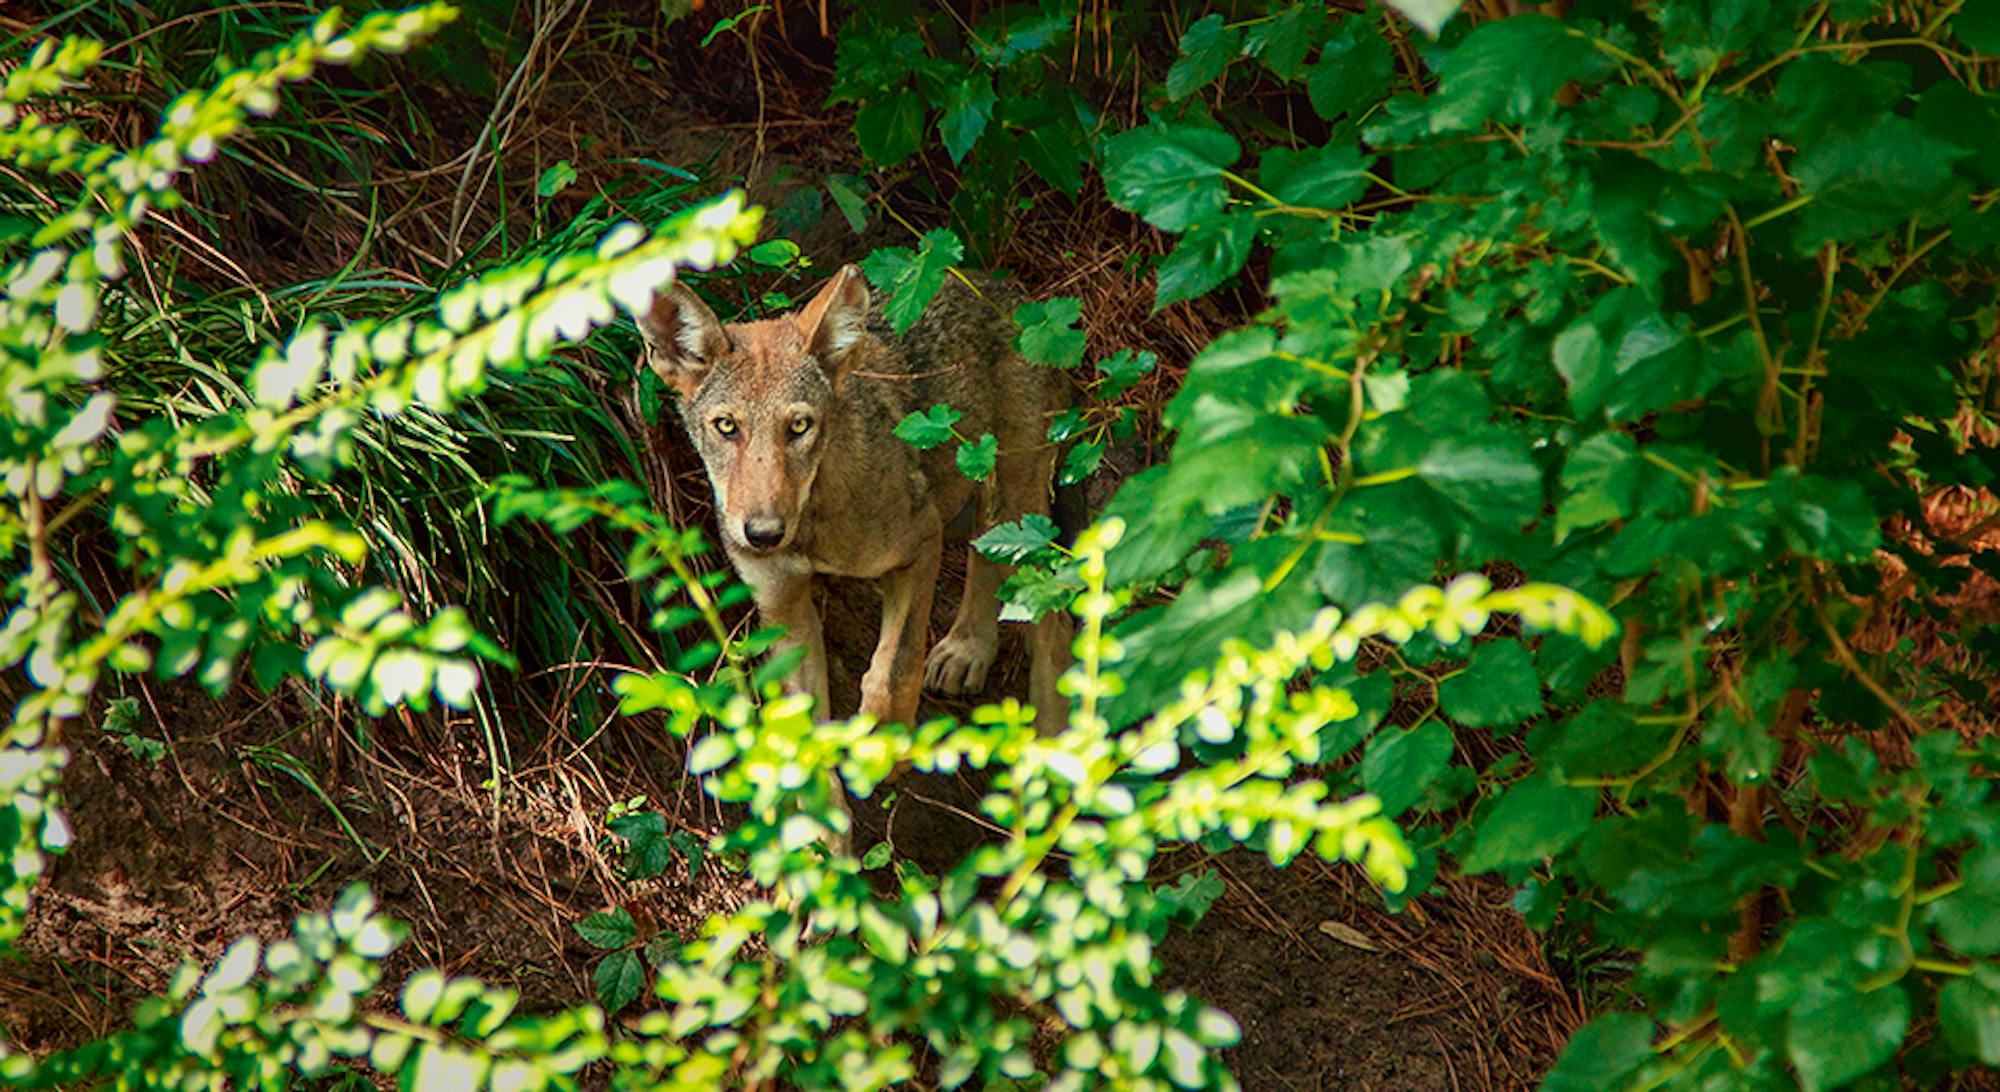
793 417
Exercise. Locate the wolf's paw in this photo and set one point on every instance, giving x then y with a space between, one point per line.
958 665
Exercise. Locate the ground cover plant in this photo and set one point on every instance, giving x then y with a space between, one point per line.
1578 474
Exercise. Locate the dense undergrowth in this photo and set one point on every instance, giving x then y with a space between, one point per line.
1687 307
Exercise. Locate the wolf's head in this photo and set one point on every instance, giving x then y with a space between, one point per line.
754 397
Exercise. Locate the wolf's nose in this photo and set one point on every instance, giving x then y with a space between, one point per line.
764 533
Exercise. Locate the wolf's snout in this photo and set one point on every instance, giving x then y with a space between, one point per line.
764 532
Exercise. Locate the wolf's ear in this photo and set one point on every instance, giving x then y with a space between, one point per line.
683 338
835 319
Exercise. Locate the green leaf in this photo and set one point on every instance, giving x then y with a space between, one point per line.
1509 70
977 459
1600 483
1121 371
1188 900
1977 25
1170 173
1283 40
846 192
926 429
1399 765
1533 820
1838 1033
619 979
1355 71
890 127
608 929
911 278
1328 177
1498 687
1490 475
1049 334
1969 1009
1013 543
1866 181
1210 253
556 179
1601 1052
968 106
1206 49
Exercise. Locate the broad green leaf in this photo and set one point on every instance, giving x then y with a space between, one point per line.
1355 71
912 278
977 459
612 928
1049 334
619 978
1509 70
1978 25
1398 765
1601 1052
1838 1033
1969 1009
1121 371
968 106
926 429
1490 475
1532 820
1209 254
1498 687
1013 543
1864 181
1170 173
1328 177
1600 483
1283 39
1206 49
890 127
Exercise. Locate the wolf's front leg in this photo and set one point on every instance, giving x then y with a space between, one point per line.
895 678
784 598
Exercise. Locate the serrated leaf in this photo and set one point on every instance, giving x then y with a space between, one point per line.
1969 1009
1509 70
1013 543
1170 173
1210 253
890 126
911 278
968 106
1206 49
1355 71
1121 371
1283 40
1049 335
977 459
619 979
1601 1052
1498 687
1600 483
1398 765
608 929
1532 820
1838 1033
926 429
1863 182
1328 177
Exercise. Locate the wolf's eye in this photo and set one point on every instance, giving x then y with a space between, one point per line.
801 425
726 425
